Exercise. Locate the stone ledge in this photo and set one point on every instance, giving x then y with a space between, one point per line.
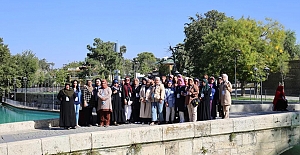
178 131
57 144
28 147
28 125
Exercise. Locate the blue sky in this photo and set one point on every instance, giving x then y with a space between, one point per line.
60 30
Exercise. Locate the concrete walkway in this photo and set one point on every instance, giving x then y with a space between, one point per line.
55 131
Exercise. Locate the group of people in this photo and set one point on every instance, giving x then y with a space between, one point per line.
152 101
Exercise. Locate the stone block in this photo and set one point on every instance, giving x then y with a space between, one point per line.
16 126
80 141
282 119
171 147
28 147
197 145
267 145
178 131
146 134
243 124
150 149
221 126
246 149
202 128
263 122
272 135
281 146
185 147
3 148
295 119
249 138
57 144
111 138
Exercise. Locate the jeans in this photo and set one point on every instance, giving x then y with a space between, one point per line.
181 116
77 107
157 109
170 111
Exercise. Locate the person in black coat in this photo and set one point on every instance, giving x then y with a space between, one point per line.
136 106
204 106
118 112
67 97
180 100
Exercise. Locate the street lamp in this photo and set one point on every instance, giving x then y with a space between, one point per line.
135 62
25 82
235 63
15 89
53 93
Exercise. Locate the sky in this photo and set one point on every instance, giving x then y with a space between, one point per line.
59 31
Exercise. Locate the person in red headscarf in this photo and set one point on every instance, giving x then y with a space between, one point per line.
279 102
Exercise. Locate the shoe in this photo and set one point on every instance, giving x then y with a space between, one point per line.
99 125
77 126
89 125
152 123
116 124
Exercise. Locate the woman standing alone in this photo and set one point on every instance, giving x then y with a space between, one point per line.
67 110
77 99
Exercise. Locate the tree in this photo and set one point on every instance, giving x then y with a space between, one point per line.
146 62
7 68
27 66
251 43
181 57
290 45
195 31
104 53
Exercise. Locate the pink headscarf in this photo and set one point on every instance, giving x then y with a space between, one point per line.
182 81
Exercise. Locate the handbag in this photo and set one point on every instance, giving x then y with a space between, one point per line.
195 102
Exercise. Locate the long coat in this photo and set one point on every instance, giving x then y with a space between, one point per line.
105 104
225 96
193 93
145 95
67 110
118 114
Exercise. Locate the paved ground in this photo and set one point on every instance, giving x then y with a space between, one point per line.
42 133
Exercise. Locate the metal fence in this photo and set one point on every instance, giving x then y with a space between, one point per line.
38 89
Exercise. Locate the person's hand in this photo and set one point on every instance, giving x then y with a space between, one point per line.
160 101
60 99
167 104
125 102
115 91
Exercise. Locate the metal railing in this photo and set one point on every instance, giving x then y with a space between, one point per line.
32 105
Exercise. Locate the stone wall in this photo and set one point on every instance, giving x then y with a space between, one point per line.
262 134
291 82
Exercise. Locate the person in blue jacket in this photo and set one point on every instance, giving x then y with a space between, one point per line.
170 102
77 102
213 105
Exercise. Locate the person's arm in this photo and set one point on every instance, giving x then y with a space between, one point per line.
229 87
162 92
59 95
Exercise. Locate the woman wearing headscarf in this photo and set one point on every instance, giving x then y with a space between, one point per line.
67 97
88 103
77 102
192 92
204 106
279 101
104 104
170 102
158 95
180 99
146 100
118 112
225 96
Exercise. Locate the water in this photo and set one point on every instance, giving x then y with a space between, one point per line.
10 114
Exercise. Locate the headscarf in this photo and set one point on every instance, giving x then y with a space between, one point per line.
206 87
170 81
182 82
68 92
104 85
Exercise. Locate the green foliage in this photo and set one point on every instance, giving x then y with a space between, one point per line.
182 59
147 62
103 57
290 45
195 32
